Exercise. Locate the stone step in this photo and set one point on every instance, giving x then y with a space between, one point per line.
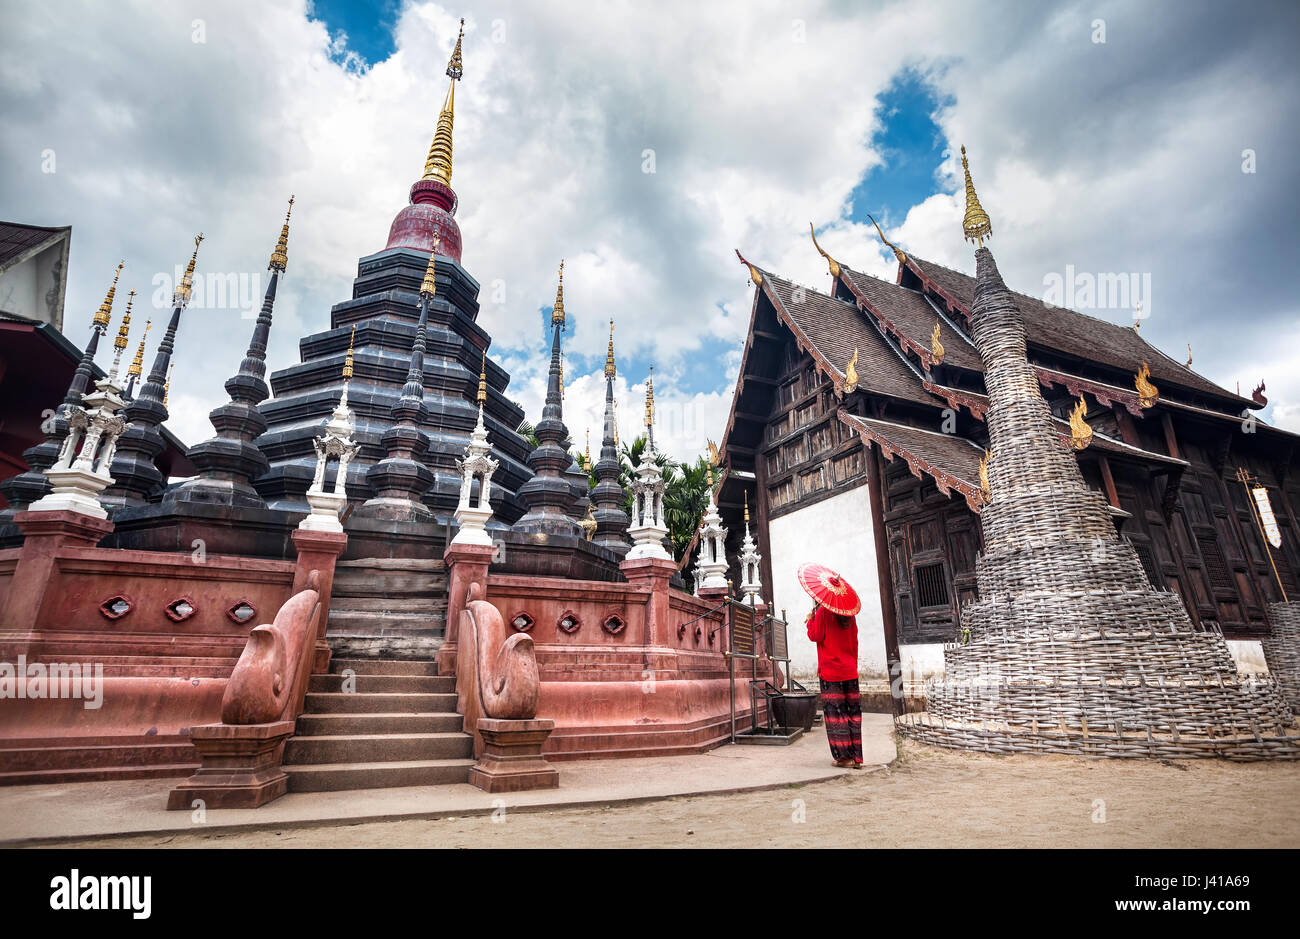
378 748
50 755
334 777
387 604
368 684
359 585
371 623
328 703
335 725
392 564
384 666
98 774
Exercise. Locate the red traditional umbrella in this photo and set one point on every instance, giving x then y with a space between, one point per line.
829 589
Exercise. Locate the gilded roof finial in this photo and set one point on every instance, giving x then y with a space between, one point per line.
186 287
1148 394
892 247
105 311
430 286
136 368
1189 355
830 261
851 374
280 256
347 360
438 164
1080 430
936 347
610 370
715 455
976 225
754 273
1137 318
557 312
124 329
482 380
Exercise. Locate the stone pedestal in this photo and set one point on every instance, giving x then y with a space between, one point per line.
655 573
466 563
512 756
318 550
241 766
44 533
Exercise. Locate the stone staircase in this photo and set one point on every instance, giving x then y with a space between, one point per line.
399 727
388 608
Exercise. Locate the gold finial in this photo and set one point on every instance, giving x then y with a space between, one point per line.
124 329
851 374
438 164
976 225
186 287
610 371
557 313
280 256
1148 394
586 454
430 286
830 261
650 398
936 347
616 424
561 373
708 475
482 380
715 455
984 475
746 508
1189 356
1080 431
347 360
892 247
105 312
137 364
1137 318
167 385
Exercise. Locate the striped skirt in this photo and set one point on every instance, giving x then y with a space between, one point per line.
842 710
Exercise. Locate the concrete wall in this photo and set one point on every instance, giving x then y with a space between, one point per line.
25 289
835 532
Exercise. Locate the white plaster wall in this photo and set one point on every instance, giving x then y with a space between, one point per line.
836 532
18 291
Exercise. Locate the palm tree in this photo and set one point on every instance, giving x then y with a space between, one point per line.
529 433
685 499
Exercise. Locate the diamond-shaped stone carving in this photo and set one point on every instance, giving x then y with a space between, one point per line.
116 607
569 622
614 624
242 612
521 622
180 610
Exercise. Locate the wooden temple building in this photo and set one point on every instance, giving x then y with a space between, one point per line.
857 432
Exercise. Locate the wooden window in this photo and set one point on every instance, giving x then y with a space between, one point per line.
811 482
847 466
782 493
931 586
819 440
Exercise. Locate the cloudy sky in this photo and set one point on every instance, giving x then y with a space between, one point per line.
643 143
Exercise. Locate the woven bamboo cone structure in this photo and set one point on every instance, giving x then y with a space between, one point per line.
1282 649
1071 649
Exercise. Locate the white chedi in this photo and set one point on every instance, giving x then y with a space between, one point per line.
81 471
751 582
473 514
711 565
335 444
648 529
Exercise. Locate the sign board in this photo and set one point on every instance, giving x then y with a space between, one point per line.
742 629
1266 516
778 644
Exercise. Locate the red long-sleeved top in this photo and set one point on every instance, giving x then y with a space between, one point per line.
837 646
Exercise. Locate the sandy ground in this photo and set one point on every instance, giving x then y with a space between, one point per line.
929 798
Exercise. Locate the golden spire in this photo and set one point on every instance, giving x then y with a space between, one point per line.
430 286
105 312
1148 394
347 361
167 385
984 475
615 423
746 509
438 165
137 364
482 380
830 261
561 373
1189 356
280 256
557 313
975 225
610 370
1080 431
650 398
124 329
851 374
708 475
936 347
586 454
892 247
186 286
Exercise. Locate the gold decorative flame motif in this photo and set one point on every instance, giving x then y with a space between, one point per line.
830 261
715 456
936 347
1148 394
984 475
976 225
851 374
1080 431
892 247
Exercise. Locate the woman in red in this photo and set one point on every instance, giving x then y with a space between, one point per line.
837 667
